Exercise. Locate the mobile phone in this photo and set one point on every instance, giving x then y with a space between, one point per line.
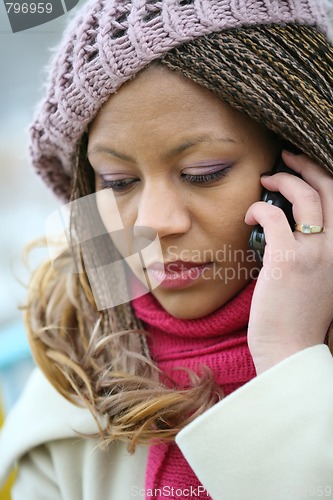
257 238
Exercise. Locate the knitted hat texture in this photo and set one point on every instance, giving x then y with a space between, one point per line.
110 41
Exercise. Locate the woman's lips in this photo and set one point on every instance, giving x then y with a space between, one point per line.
176 274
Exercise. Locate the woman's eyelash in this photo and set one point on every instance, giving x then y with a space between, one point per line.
117 185
206 178
123 184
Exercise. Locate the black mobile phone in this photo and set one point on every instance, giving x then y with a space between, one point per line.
257 238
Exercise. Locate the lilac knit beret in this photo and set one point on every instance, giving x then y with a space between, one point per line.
109 41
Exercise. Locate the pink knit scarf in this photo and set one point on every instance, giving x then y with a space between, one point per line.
217 341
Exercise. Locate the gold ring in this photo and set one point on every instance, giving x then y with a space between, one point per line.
307 229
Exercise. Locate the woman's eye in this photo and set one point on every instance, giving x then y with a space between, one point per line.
204 176
118 184
211 175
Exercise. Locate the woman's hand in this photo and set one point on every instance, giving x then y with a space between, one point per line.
292 305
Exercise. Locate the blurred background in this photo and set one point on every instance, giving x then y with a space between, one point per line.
24 201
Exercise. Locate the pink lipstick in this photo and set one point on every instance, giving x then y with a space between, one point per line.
177 274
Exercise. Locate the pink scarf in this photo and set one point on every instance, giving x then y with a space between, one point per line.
218 341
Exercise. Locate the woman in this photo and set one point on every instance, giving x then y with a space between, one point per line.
160 119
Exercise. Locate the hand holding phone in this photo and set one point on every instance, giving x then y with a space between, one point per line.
257 238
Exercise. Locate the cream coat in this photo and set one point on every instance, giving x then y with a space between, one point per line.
270 440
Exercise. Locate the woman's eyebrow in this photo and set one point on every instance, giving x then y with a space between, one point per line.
194 142
103 149
169 154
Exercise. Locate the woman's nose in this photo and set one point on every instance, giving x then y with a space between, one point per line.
163 209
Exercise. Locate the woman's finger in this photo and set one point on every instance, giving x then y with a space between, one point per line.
278 233
306 201
318 178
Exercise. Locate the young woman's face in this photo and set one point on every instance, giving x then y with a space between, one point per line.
188 165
